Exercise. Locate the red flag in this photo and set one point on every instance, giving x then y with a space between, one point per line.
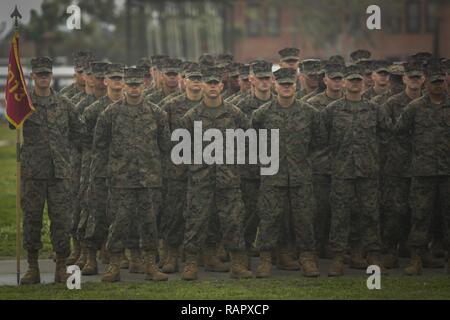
18 103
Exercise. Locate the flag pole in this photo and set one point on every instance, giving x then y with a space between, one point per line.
16 16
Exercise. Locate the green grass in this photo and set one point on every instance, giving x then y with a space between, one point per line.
8 197
284 288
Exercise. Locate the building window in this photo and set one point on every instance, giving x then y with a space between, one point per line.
273 20
413 16
392 19
431 14
253 20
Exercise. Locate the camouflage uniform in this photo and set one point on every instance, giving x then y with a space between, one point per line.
214 190
397 179
172 221
70 91
321 181
48 135
428 127
353 134
288 195
250 180
130 141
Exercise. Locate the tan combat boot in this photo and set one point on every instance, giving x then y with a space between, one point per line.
190 267
336 268
113 273
61 274
390 259
74 254
222 254
171 263
81 261
90 268
212 262
357 260
429 261
136 263
308 263
32 276
286 262
124 262
415 265
373 258
264 269
239 266
152 270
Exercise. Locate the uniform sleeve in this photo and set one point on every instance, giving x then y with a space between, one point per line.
326 120
243 120
384 122
100 148
76 128
319 132
256 119
405 123
163 132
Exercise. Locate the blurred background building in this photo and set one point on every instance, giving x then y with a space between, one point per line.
125 30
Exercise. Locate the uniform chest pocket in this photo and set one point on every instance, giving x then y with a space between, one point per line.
367 119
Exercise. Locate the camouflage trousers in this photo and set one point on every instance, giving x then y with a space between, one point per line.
172 221
395 223
98 221
426 194
277 204
209 210
83 198
345 194
75 181
250 191
55 192
322 189
130 207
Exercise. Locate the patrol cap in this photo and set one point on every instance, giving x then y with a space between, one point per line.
435 71
145 71
41 64
213 73
193 70
446 65
285 75
223 59
171 65
353 72
334 70
311 66
413 68
78 58
381 66
144 62
261 69
244 71
366 66
397 69
233 69
184 66
360 54
115 70
133 75
158 60
206 59
99 68
422 57
287 54
336 59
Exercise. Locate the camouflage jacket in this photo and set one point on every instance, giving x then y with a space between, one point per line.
354 130
428 127
176 109
49 135
158 96
370 93
300 132
398 147
248 105
78 97
310 95
321 161
70 91
131 141
225 116
89 120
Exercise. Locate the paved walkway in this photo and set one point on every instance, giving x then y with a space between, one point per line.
47 267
